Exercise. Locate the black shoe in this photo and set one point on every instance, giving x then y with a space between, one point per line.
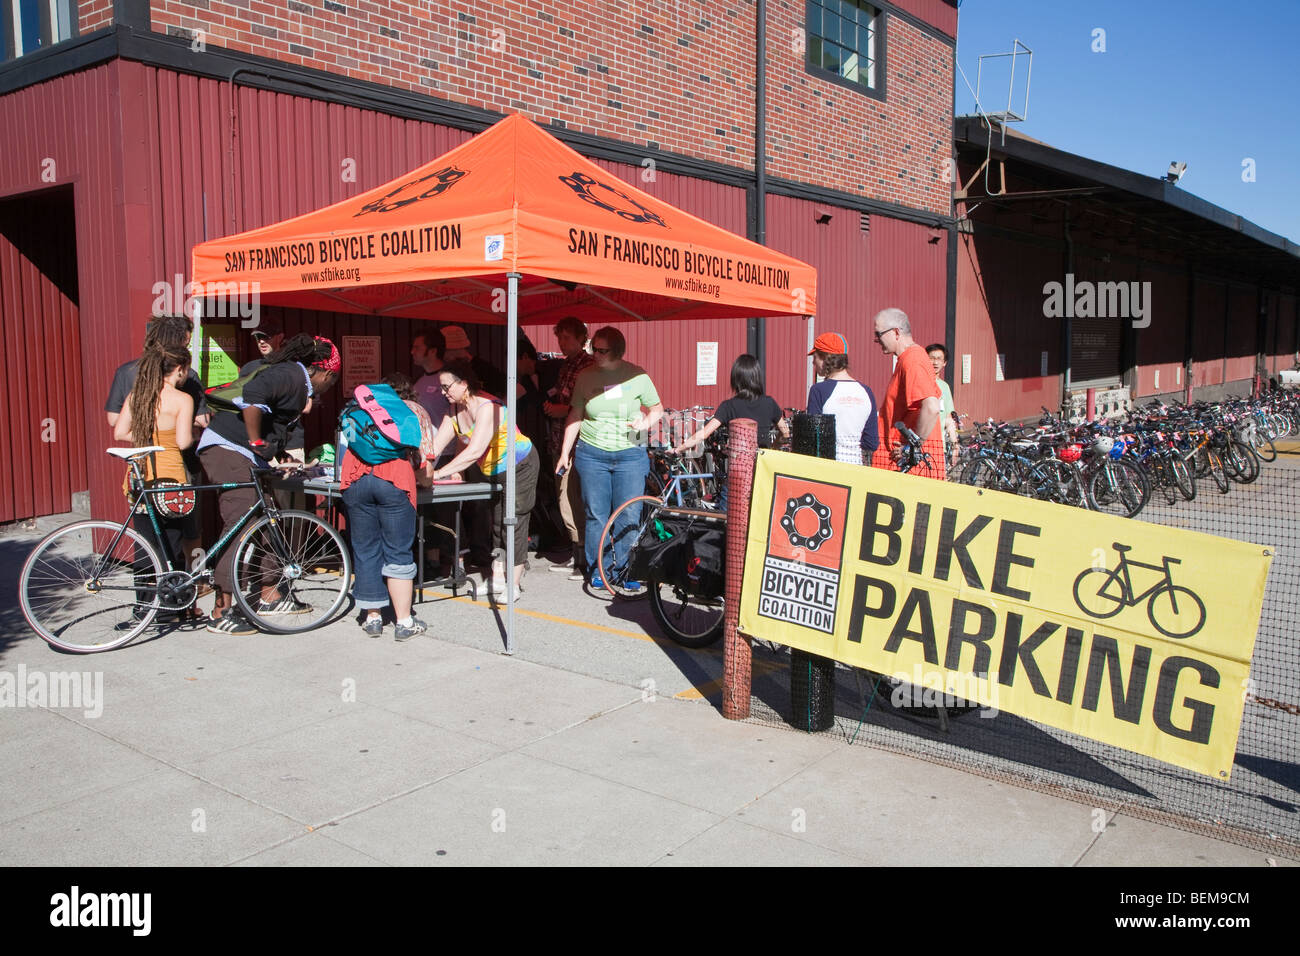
231 623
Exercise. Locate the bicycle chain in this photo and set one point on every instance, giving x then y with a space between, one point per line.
1292 709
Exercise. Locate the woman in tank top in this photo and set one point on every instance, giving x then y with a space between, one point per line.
479 423
158 412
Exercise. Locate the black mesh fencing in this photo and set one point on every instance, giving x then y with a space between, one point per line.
1258 806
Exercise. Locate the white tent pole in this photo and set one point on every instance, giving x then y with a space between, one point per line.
812 336
512 372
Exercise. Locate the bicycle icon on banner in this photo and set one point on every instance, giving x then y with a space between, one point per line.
1175 611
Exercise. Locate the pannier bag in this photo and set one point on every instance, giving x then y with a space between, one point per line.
684 552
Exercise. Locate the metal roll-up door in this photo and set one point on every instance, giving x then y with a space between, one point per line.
1094 352
1095 342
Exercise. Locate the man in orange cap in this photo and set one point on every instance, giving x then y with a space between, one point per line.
912 396
851 402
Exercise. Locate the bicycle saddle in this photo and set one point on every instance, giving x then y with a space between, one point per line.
128 453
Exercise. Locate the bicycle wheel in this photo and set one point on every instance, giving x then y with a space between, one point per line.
1245 463
1175 611
1058 481
690 620
79 599
1162 477
1264 446
642 510
993 475
1183 477
303 560
1214 464
1096 597
1118 487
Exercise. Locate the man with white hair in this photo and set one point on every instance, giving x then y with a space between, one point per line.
912 396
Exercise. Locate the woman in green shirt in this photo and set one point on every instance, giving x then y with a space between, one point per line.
614 405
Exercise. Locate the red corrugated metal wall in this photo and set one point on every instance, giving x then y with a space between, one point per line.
1207 334
1243 315
1000 311
42 447
1282 341
64 133
667 350
1160 346
893 263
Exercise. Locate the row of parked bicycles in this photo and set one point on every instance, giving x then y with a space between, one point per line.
1116 466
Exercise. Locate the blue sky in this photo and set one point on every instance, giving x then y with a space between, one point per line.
1209 84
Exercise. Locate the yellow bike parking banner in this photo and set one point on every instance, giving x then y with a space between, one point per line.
1118 630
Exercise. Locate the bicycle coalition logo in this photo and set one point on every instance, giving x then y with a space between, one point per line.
610 198
426 187
1173 610
805 542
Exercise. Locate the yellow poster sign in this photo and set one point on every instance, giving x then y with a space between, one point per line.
1125 632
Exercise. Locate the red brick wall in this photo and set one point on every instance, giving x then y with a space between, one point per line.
674 75
93 15
647 75
893 150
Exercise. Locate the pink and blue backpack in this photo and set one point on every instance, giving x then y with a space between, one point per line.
378 426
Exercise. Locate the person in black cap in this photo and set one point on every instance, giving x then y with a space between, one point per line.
267 338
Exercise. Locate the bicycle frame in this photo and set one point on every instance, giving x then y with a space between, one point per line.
265 502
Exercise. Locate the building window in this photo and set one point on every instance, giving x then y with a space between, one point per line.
31 25
846 43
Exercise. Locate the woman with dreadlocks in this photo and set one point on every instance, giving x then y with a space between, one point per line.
158 412
251 437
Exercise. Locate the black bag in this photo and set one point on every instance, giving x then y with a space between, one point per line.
684 552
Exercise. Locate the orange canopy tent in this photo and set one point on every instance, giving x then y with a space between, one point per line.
512 226
437 244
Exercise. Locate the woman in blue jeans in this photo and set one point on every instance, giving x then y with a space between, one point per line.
614 405
380 500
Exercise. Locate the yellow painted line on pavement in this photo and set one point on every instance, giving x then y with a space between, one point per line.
707 689
713 687
554 618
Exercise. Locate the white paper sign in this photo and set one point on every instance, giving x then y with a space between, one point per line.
360 361
706 363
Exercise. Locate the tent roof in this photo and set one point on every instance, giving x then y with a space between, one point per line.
439 241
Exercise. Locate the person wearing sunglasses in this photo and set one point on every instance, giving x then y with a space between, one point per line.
478 421
912 396
614 405
841 395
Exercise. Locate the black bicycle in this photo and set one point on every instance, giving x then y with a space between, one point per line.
96 585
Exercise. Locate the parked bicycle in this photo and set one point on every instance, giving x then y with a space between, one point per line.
688 611
96 585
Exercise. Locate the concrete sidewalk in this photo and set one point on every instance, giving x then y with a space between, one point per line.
595 744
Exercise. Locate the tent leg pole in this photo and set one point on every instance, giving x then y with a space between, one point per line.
512 374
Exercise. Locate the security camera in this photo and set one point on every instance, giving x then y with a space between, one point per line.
1176 172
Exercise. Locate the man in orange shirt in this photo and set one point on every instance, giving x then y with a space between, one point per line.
912 396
